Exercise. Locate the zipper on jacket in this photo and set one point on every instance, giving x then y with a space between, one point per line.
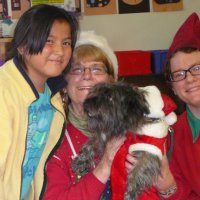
52 153
23 160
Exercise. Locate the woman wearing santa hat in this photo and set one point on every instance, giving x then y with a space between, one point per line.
183 74
93 62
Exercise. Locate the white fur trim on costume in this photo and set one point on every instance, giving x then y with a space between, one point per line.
171 118
157 129
90 37
146 147
155 101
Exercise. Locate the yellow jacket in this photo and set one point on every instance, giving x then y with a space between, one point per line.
16 94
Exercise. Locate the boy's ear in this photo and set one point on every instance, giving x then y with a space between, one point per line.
21 50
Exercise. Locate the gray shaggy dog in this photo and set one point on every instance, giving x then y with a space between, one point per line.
112 110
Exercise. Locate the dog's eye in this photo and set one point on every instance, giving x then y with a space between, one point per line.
152 119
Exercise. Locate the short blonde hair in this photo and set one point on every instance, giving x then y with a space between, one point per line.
90 52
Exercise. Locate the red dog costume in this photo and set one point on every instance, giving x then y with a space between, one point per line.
151 138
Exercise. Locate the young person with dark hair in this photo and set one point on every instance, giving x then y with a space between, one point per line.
32 115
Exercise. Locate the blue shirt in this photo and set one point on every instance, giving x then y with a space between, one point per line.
40 118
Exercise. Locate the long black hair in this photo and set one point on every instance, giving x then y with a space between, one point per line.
34 26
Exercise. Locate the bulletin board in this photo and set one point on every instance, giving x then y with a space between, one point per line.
18 8
53 2
11 10
99 7
161 5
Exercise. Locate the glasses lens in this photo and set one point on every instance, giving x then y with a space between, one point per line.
98 69
177 76
195 70
76 70
95 69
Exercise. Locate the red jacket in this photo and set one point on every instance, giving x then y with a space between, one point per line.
61 181
185 161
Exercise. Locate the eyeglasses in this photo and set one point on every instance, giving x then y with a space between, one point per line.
95 69
182 74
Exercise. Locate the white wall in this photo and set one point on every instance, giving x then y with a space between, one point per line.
140 31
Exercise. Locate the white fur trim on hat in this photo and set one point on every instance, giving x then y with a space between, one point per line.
171 118
90 37
145 147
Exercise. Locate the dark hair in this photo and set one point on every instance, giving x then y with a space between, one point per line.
33 28
167 68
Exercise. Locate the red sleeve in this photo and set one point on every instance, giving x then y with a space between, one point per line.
62 186
184 191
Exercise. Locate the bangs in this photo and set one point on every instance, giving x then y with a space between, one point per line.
89 53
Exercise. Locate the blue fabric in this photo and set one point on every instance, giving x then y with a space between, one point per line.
107 192
158 60
40 118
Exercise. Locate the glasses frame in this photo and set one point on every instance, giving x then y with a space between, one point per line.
91 68
185 73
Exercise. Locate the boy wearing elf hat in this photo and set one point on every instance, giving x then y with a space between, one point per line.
182 71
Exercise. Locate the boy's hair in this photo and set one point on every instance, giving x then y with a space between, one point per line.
33 28
167 68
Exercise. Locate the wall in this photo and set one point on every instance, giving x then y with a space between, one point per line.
140 31
137 31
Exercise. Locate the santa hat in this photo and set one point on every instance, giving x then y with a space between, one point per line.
90 37
151 136
188 35
169 107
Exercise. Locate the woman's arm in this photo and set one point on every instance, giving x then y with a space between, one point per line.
60 184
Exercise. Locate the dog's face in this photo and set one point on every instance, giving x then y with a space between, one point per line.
112 109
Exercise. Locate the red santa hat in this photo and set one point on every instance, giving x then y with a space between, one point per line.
151 137
188 35
169 108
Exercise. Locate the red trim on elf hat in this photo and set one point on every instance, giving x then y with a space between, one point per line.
188 35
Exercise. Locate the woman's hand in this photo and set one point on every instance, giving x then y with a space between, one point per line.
102 170
166 184
130 163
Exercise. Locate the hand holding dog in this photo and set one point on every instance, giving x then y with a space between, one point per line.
102 170
165 181
131 161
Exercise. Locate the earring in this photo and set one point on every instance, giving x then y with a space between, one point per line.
64 96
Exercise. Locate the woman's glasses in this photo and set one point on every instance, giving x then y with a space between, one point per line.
95 69
182 74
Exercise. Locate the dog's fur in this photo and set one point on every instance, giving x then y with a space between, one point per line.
112 110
